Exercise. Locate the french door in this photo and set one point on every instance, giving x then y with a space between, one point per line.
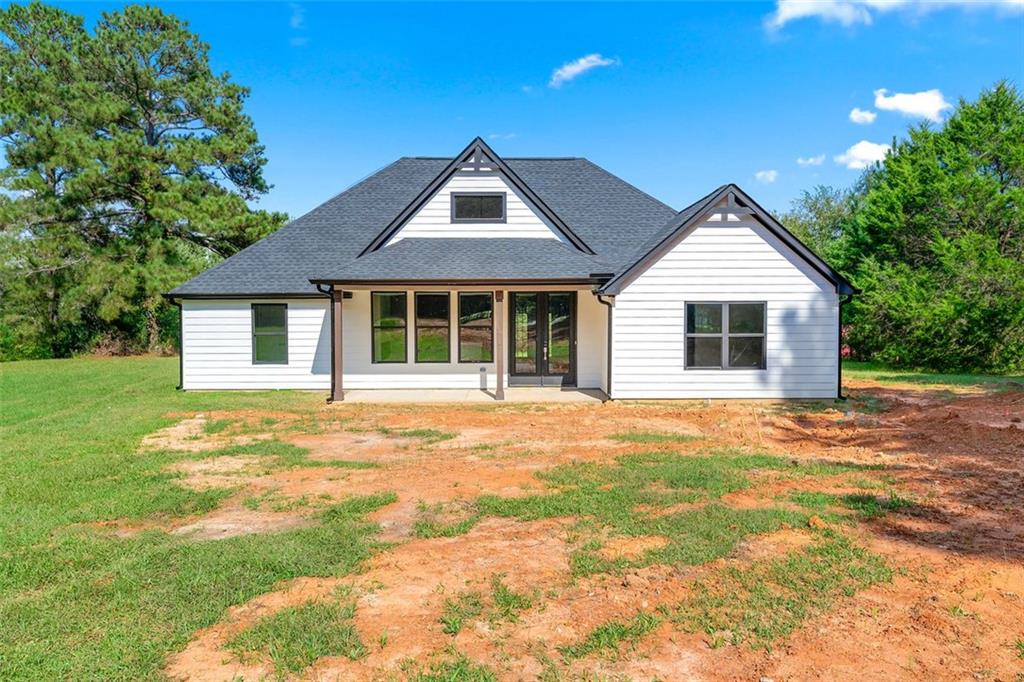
542 344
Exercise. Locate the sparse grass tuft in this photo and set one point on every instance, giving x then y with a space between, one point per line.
652 437
215 426
507 602
294 638
454 668
866 506
767 600
610 637
426 435
443 520
465 606
429 528
1019 645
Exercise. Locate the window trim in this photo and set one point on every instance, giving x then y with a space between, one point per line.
724 336
504 207
375 327
254 333
416 328
458 317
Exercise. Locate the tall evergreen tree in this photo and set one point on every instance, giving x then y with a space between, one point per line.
129 168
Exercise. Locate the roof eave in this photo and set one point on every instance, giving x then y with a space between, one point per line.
468 281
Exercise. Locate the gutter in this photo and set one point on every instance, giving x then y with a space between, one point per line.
459 282
611 311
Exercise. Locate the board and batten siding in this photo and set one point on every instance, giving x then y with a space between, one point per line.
217 342
217 346
735 261
434 219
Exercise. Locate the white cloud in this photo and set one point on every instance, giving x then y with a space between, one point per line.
501 136
570 70
811 160
926 104
298 17
862 155
862 116
766 176
853 12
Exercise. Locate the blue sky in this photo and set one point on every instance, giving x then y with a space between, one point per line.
676 98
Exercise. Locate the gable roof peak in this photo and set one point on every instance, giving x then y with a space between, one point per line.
463 161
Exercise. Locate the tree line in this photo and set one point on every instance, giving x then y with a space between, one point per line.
933 236
130 166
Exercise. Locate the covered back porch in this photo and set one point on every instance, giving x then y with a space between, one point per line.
467 341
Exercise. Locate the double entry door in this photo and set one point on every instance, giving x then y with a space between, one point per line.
542 346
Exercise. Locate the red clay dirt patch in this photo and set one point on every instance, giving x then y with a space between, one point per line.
959 551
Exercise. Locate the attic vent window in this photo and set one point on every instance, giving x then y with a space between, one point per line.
478 208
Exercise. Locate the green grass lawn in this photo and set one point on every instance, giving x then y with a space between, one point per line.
875 372
77 602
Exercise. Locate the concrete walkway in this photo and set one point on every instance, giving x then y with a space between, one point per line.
521 394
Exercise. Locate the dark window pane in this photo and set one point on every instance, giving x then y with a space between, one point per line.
270 348
703 352
746 318
432 344
479 207
703 318
389 310
432 309
475 310
476 344
746 351
389 345
270 317
492 207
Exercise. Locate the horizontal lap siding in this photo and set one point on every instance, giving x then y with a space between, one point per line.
434 219
735 263
217 342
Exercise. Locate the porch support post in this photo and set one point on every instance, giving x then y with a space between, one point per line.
499 344
337 369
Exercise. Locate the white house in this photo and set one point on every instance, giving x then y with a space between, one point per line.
483 272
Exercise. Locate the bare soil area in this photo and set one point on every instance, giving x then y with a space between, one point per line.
953 610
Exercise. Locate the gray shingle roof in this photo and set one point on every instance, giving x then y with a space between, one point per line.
470 259
610 215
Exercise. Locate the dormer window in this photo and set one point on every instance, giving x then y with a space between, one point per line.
478 207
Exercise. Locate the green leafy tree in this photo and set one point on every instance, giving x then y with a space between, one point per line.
819 218
130 166
937 244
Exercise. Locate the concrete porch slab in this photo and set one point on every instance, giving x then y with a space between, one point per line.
519 394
